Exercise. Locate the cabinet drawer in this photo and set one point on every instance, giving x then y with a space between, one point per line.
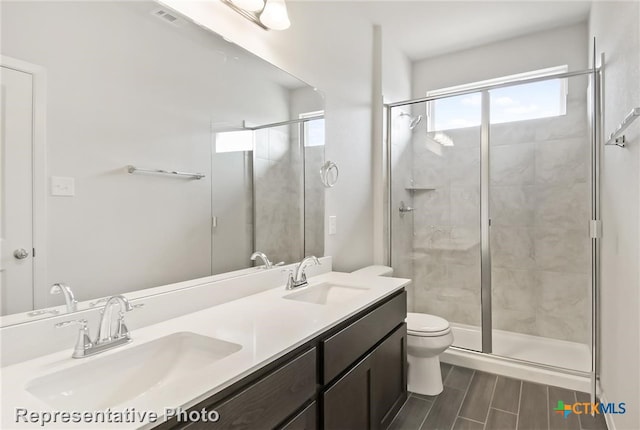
269 401
305 420
349 344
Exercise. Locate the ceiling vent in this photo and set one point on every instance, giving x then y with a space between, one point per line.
166 16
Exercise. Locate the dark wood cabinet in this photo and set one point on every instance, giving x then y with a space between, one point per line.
352 342
347 403
389 377
353 376
372 392
305 420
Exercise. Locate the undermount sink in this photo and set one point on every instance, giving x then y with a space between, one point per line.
326 293
111 380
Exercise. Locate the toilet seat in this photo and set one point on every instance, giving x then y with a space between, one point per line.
425 325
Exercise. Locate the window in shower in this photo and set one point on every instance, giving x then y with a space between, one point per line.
534 100
313 129
234 141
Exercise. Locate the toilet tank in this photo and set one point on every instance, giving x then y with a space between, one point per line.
375 271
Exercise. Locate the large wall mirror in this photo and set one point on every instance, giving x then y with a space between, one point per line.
140 150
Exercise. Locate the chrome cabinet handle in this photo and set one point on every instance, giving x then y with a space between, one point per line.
20 254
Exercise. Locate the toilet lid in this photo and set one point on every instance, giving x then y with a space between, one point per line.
425 323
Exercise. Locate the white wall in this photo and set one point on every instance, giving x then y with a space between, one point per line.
396 86
615 25
145 94
330 47
517 55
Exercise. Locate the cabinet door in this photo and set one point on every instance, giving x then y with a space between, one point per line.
347 404
305 420
389 377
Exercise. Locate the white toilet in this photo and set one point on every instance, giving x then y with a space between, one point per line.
428 336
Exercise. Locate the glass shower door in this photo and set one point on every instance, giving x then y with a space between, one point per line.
491 200
435 210
540 211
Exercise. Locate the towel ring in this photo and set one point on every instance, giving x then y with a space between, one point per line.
328 179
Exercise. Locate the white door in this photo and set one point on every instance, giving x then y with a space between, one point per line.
16 191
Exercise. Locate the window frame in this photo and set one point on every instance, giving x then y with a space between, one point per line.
303 129
509 79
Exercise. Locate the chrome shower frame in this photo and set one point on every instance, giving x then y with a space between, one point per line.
595 76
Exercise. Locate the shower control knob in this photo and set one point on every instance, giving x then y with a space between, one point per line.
20 254
404 209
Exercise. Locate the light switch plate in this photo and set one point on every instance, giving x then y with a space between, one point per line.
63 186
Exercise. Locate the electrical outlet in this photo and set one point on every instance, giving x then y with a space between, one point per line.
63 186
333 225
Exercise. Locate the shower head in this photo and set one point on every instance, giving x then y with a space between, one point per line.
415 120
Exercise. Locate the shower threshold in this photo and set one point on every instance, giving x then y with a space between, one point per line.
552 352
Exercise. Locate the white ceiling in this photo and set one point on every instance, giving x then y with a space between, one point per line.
426 28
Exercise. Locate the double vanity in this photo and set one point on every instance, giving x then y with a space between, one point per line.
328 355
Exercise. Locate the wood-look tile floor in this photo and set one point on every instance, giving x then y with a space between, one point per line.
474 400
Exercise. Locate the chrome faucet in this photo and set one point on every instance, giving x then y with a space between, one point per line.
69 298
104 329
298 278
106 338
267 263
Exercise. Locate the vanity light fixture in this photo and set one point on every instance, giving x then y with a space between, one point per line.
249 5
267 14
275 16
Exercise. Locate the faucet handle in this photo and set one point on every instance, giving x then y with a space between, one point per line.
279 264
289 272
123 330
97 302
81 322
290 278
83 343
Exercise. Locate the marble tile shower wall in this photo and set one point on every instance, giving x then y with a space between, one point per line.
540 211
277 188
402 226
313 201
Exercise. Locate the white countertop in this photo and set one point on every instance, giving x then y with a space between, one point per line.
266 326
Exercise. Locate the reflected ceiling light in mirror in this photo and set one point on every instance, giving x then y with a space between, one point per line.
269 14
250 5
275 15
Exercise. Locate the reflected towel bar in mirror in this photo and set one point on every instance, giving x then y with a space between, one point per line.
133 169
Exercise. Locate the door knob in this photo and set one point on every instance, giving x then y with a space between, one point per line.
20 254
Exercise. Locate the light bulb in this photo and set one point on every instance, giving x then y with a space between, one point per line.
275 16
250 5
